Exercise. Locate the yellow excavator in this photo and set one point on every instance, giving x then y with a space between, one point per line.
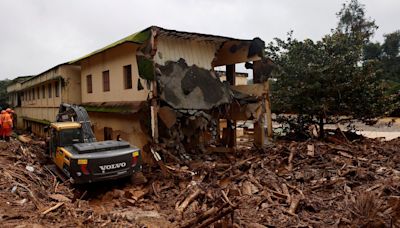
80 157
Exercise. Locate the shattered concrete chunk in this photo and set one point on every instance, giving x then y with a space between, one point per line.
168 116
191 87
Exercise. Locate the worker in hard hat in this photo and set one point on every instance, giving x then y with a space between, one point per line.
7 124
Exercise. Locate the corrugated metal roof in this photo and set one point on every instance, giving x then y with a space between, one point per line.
194 35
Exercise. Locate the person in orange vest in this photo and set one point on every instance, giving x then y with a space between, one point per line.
11 112
7 124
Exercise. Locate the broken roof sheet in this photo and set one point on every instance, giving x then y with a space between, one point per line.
142 36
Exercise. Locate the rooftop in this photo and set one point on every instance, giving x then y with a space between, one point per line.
142 36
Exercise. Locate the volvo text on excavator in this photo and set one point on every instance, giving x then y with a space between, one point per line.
75 151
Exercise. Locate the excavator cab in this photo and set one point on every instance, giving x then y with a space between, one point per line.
63 134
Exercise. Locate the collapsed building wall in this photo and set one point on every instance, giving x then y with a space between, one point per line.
190 100
191 87
175 78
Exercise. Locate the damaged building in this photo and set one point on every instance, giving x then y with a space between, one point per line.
36 99
162 87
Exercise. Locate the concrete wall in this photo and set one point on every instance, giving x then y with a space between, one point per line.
19 119
71 91
39 113
200 53
36 110
113 60
13 99
67 78
40 102
129 126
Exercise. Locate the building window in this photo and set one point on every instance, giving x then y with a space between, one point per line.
49 90
19 99
38 92
33 94
108 133
128 77
43 91
57 88
106 81
89 84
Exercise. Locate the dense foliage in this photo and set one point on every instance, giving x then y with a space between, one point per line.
331 79
3 93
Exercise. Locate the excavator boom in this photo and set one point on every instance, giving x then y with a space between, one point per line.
75 113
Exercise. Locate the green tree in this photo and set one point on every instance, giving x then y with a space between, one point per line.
390 57
386 55
325 80
372 51
3 92
391 45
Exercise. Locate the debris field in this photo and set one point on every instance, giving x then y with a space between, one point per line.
332 183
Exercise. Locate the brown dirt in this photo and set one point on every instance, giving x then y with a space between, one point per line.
287 184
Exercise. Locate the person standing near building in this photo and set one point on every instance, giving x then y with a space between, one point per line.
12 115
7 124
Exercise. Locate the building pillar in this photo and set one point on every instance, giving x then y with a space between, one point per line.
262 133
154 112
231 124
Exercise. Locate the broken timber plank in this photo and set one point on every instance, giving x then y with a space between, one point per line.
220 149
53 208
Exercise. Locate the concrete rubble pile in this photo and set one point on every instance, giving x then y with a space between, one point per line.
193 101
339 182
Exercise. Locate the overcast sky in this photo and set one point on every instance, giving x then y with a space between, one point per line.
39 34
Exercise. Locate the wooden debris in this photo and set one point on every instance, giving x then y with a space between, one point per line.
188 200
294 204
199 218
221 149
59 198
53 208
311 150
290 159
325 185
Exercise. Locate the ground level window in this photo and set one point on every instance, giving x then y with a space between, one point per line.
108 133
